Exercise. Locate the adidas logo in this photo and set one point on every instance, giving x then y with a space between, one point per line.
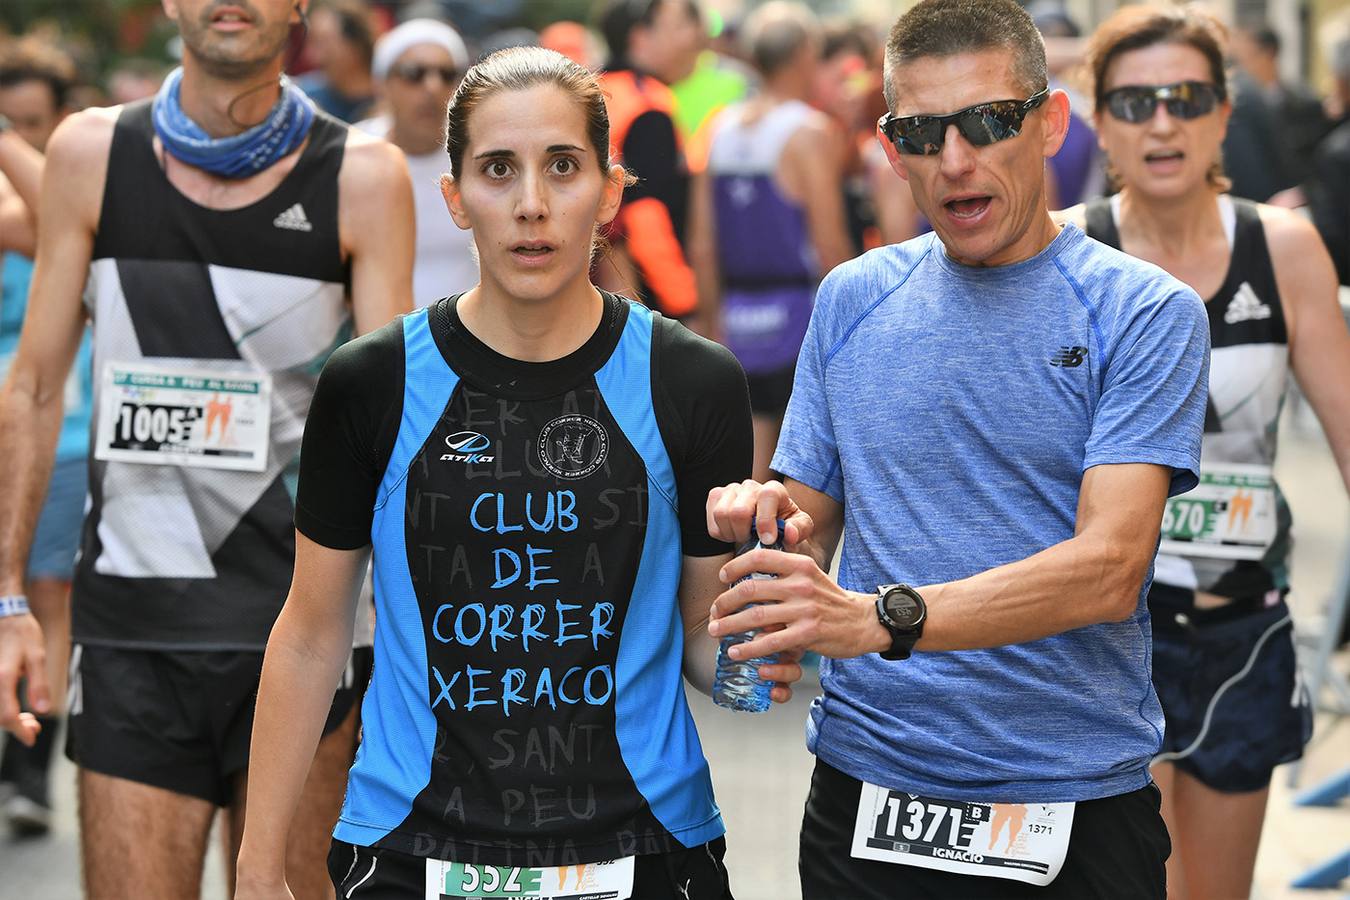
293 219
1245 306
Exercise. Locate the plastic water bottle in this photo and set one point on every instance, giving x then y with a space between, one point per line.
738 685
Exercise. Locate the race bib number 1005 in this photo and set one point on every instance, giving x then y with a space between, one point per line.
165 416
589 881
1024 842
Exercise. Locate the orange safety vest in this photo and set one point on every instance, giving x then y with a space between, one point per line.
644 225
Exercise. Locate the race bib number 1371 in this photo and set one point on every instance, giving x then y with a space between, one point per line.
1024 842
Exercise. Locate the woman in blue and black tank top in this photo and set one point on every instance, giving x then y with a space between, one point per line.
529 461
1223 655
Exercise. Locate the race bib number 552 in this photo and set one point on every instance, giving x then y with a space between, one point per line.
1024 842
589 881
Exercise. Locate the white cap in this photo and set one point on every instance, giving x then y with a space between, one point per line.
414 33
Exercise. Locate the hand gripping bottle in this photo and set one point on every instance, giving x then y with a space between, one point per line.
738 685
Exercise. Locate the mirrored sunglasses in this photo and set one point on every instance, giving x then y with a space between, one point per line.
981 125
1185 100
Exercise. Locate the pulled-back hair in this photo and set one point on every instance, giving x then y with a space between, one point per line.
1145 25
518 69
948 27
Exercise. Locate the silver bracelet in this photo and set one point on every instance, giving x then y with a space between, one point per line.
13 605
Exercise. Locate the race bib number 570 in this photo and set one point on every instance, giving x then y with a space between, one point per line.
1024 842
1231 514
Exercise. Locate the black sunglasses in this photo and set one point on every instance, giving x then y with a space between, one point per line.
1185 100
415 73
981 124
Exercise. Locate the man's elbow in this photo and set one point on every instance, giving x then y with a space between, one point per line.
1123 567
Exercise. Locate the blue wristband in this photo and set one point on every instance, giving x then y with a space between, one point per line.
13 605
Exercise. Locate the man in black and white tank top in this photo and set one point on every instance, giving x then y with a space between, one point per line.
216 296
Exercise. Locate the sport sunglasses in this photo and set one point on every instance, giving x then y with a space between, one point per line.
1185 100
981 124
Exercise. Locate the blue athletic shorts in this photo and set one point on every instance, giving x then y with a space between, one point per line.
57 536
1263 717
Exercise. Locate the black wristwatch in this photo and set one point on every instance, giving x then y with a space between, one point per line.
902 612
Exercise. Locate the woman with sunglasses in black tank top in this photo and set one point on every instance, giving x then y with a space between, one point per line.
1223 658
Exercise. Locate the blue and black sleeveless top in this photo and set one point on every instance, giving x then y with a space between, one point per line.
529 523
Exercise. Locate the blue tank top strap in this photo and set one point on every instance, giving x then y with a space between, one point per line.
428 383
652 648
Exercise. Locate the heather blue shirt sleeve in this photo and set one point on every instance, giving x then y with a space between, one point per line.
1155 386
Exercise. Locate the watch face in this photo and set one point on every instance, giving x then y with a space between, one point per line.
903 609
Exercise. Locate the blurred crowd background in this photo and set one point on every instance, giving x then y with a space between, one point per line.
819 73
1291 61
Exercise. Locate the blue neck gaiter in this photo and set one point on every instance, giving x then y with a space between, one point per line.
241 155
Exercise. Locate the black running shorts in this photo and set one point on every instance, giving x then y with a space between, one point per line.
1230 693
1117 851
176 720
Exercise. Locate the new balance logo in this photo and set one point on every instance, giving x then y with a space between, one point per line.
1069 357
293 219
1245 306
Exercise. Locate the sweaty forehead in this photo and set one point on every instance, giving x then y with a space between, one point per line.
1166 63
942 84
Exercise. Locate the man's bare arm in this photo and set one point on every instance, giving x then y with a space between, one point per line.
1093 577
22 164
31 398
375 221
18 225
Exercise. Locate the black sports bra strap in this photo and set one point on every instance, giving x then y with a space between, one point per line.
1101 224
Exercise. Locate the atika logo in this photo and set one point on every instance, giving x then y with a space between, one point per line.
468 447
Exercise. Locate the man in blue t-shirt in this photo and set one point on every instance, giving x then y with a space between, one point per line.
992 417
